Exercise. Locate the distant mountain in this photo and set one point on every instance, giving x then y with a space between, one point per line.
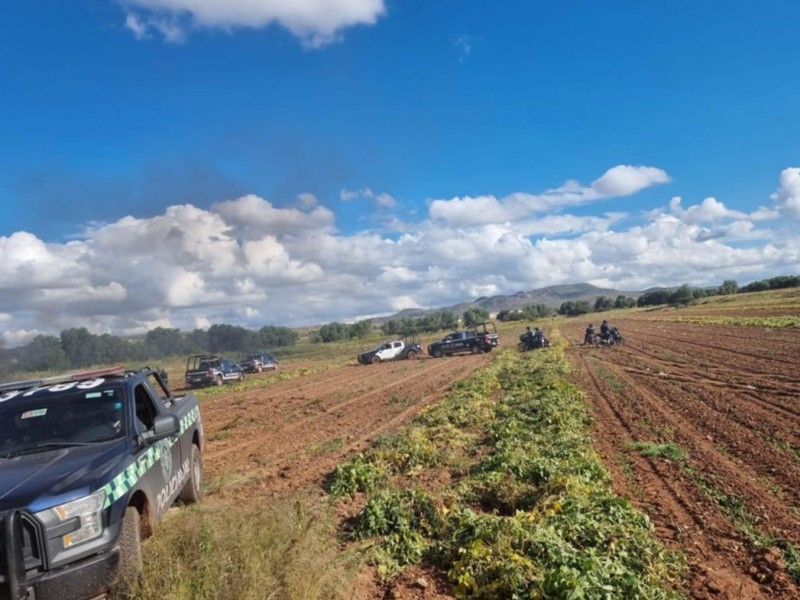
552 297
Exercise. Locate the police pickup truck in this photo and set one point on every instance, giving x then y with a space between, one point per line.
481 338
394 350
210 369
89 463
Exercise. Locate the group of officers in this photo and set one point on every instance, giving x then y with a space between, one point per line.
606 332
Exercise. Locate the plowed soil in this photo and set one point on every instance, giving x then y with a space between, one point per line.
288 434
729 397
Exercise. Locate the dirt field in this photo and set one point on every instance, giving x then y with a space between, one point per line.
729 397
286 435
726 396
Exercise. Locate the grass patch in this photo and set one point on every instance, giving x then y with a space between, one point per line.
227 553
669 450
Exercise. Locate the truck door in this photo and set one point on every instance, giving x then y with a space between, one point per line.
164 483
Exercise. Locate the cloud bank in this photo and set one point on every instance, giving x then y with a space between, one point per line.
246 261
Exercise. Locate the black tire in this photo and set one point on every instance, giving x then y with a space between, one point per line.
475 350
241 375
193 488
437 354
412 354
130 546
259 368
522 346
375 359
218 380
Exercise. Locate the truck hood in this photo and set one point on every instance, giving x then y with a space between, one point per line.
45 479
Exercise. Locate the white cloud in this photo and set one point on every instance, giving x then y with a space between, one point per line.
314 22
624 180
787 196
307 201
463 44
136 26
246 261
379 200
709 210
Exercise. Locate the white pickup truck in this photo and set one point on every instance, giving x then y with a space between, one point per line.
394 350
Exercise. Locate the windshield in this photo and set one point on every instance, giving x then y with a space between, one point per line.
38 420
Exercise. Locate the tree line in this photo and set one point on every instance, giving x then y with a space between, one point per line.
680 296
78 348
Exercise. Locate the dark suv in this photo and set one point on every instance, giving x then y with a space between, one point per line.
255 362
210 369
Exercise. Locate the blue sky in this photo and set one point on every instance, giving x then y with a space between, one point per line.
349 158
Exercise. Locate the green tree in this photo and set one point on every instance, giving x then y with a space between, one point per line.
360 329
623 301
682 296
573 308
161 341
603 303
273 336
476 315
43 353
80 347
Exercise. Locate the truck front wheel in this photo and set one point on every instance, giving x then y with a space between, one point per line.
437 353
218 380
475 350
193 488
130 546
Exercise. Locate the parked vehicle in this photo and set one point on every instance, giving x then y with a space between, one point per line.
394 350
210 369
531 340
90 464
256 362
613 338
482 338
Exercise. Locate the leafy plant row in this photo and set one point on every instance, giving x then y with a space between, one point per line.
498 486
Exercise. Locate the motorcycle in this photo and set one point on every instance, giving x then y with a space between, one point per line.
528 342
613 338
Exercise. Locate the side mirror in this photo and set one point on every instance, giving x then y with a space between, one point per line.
164 426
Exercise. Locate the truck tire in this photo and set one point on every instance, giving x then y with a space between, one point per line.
130 546
475 349
193 488
411 355
241 376
437 353
375 359
259 368
218 380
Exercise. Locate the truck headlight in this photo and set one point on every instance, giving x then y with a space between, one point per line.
87 512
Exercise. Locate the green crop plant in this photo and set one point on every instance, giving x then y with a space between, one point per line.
357 475
669 450
528 512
